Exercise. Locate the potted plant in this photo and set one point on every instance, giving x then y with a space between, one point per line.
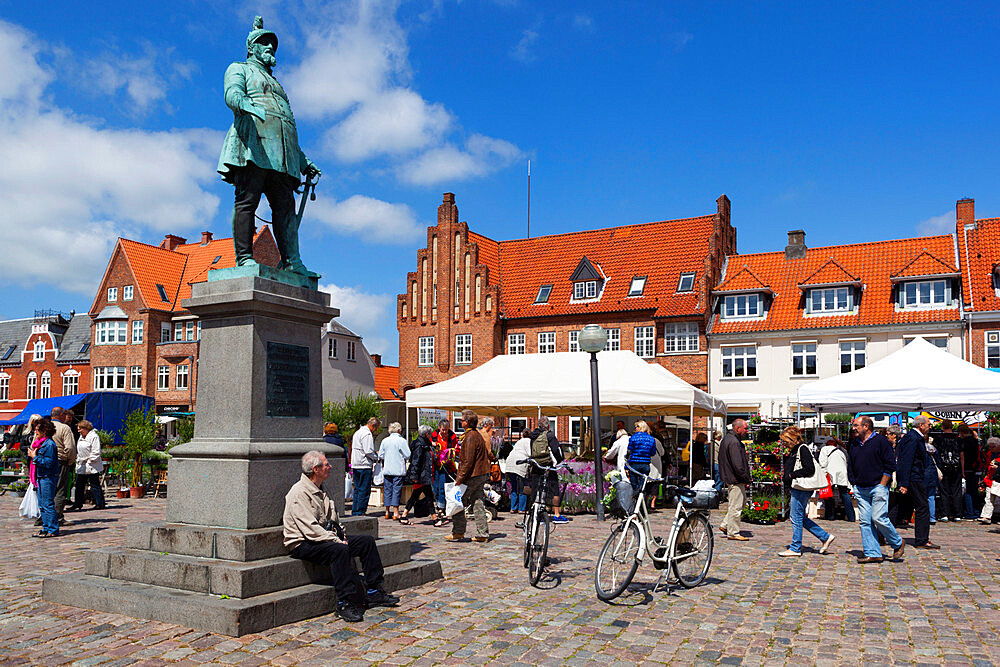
18 488
139 433
11 458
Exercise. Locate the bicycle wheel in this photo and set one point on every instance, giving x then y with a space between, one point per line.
618 561
691 550
527 519
539 547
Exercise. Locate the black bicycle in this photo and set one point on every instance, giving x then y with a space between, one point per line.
537 523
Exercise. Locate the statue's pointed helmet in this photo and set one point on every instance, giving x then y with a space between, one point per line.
258 32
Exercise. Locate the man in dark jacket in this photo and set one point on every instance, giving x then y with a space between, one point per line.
870 464
551 479
734 470
911 462
951 458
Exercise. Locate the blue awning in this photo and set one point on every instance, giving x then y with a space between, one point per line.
43 407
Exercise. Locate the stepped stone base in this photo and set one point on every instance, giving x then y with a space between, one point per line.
221 580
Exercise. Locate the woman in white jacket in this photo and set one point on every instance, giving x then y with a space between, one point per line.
833 459
89 467
618 451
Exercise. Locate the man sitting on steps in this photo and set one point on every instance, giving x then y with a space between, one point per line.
312 533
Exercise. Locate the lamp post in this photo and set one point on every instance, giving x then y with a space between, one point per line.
592 339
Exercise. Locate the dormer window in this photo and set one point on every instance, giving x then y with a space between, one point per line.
737 306
585 290
637 286
543 294
587 281
830 300
686 282
924 294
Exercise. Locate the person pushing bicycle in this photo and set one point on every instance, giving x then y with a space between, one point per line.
549 483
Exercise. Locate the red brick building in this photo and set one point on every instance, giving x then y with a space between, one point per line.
472 298
43 356
979 254
143 340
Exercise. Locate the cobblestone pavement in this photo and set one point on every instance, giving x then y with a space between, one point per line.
756 608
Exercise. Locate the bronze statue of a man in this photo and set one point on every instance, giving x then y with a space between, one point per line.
261 154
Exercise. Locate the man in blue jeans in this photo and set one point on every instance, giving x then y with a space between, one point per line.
870 464
363 457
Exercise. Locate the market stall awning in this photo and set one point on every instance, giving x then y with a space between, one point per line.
918 377
43 407
559 384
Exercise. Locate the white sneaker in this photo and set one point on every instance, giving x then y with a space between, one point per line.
789 552
826 545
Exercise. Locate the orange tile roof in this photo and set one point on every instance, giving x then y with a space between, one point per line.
386 380
743 280
830 273
660 250
489 254
925 264
984 254
873 263
178 269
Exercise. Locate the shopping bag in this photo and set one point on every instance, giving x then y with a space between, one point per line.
377 477
453 498
349 486
29 505
827 491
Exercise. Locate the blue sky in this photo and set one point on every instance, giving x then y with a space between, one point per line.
853 122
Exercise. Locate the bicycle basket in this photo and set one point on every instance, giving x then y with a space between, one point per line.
703 500
622 503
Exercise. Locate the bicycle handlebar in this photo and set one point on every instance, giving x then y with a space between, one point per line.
541 467
681 490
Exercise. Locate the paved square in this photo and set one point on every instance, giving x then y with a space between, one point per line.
932 608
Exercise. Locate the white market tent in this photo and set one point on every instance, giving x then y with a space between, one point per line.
512 385
918 377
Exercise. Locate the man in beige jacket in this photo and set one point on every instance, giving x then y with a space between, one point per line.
312 533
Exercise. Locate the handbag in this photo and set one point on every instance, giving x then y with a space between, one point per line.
827 492
29 505
377 477
817 481
453 498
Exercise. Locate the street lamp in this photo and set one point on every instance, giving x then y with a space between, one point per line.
592 339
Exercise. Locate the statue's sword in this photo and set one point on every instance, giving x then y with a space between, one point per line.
308 192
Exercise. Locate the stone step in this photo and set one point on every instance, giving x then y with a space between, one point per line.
225 543
232 617
235 579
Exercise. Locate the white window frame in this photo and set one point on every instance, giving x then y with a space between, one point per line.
742 306
516 425
637 287
547 289
45 385
686 277
189 330
574 341
851 348
614 340
803 350
178 331
546 342
70 383
914 296
111 332
463 349
38 351
135 378
183 376
138 327
331 348
827 300
680 337
4 388
127 293
32 386
109 378
162 378
165 331
585 290
739 355
645 341
578 423
112 294
516 343
425 351
352 350
991 349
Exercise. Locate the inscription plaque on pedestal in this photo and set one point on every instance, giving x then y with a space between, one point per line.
287 380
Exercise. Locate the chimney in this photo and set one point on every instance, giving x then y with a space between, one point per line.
377 358
447 211
965 212
170 242
796 248
206 238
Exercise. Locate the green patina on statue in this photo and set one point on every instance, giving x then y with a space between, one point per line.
261 154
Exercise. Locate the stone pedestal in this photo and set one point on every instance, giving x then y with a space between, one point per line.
218 563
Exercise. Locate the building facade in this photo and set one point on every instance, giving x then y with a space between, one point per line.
472 298
348 367
143 340
979 253
41 357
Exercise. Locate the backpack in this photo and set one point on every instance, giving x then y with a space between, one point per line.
540 447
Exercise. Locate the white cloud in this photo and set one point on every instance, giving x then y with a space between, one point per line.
143 80
481 156
524 50
370 315
939 224
68 188
372 219
583 23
